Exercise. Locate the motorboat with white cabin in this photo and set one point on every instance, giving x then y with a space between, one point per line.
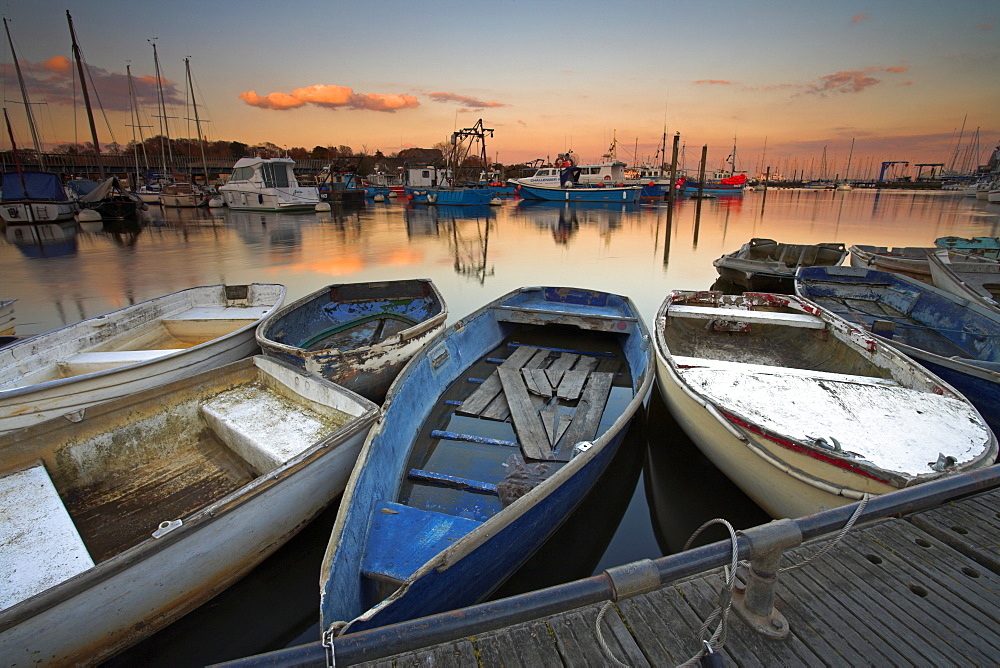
565 169
267 184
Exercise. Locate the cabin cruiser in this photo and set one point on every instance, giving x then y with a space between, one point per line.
35 197
267 184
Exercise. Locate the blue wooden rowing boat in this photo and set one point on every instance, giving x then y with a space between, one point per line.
580 193
953 337
359 335
490 437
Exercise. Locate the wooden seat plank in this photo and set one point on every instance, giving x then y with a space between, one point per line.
488 390
527 423
537 382
588 413
572 384
743 315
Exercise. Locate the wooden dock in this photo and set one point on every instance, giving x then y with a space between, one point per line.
919 590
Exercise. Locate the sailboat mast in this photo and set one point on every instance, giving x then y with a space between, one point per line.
197 123
136 125
850 155
24 96
86 95
164 126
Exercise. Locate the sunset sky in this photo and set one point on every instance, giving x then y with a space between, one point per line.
898 77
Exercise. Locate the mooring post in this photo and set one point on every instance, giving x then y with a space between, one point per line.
755 603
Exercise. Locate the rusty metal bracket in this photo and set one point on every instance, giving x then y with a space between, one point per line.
755 603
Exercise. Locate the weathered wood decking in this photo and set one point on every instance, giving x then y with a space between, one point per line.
921 590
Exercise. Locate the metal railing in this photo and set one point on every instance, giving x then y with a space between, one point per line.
449 626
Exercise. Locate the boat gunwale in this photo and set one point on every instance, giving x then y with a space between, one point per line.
641 384
208 514
162 360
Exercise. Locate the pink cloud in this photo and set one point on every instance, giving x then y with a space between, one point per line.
464 100
330 97
859 18
53 81
714 81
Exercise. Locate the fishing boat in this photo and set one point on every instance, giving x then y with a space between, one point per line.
446 196
34 197
985 246
64 371
597 193
566 169
765 264
118 524
358 335
971 276
490 437
721 182
908 260
267 184
803 410
955 338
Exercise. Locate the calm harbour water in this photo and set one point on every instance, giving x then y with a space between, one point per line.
661 488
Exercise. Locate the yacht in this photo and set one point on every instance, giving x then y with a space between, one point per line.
267 184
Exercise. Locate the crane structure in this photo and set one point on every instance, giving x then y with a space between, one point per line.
885 166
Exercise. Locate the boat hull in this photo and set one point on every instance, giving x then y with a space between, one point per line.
470 568
449 197
767 266
909 261
972 278
14 213
50 355
580 194
367 369
780 456
135 593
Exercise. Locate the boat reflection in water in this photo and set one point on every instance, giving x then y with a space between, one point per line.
44 240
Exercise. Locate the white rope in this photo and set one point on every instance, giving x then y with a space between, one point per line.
600 636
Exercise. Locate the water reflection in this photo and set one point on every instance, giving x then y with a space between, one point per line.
473 255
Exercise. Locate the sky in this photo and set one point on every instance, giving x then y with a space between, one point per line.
786 82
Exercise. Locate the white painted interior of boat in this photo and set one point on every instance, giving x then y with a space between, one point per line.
90 362
263 427
744 315
892 428
40 544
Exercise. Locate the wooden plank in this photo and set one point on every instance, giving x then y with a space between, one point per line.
743 315
527 424
585 363
659 628
497 409
527 644
488 391
609 365
572 383
969 526
587 417
537 360
481 398
537 382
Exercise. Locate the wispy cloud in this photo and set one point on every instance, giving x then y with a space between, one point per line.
329 97
985 26
859 18
464 100
52 81
714 81
851 81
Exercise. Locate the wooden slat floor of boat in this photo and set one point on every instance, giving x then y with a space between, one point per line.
901 591
119 513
